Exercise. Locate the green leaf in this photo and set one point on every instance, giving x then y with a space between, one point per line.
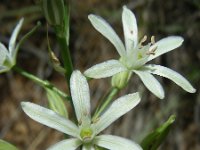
7 146
153 140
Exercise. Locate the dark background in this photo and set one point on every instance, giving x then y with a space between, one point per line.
155 17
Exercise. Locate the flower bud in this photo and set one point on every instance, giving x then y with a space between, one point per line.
121 79
56 103
54 11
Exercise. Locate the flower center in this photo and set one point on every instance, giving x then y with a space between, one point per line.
86 134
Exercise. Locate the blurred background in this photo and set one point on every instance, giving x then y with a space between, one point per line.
88 47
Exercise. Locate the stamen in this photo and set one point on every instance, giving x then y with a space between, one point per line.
143 39
153 40
151 52
140 46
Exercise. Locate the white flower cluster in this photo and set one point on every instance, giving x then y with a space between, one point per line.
133 58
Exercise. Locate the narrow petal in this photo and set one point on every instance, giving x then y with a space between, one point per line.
14 37
165 45
3 53
172 75
106 30
105 69
116 143
69 144
151 83
118 108
80 95
50 118
130 29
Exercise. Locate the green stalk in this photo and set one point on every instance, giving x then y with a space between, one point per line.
67 62
105 102
42 83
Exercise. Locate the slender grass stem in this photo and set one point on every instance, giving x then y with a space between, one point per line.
42 83
105 102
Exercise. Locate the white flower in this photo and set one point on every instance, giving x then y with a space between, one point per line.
134 55
87 130
8 56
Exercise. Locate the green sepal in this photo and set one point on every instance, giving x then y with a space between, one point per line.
153 140
7 146
56 103
120 80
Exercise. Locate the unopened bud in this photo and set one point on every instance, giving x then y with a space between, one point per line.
56 103
54 11
121 79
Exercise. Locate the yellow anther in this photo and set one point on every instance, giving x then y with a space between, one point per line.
152 51
143 39
152 40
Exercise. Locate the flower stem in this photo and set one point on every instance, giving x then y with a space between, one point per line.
42 83
67 62
105 102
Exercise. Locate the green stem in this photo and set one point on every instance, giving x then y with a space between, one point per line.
105 102
42 83
66 57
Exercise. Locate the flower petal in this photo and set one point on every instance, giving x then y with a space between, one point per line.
105 69
165 45
69 144
50 118
3 53
80 95
151 83
116 143
118 108
172 75
13 38
130 29
106 30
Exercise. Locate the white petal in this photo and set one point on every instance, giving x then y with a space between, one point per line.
118 108
3 53
165 45
80 95
13 38
151 83
130 29
69 144
50 118
105 69
106 30
116 143
172 75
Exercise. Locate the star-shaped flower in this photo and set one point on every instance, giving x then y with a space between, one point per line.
8 56
134 55
86 132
